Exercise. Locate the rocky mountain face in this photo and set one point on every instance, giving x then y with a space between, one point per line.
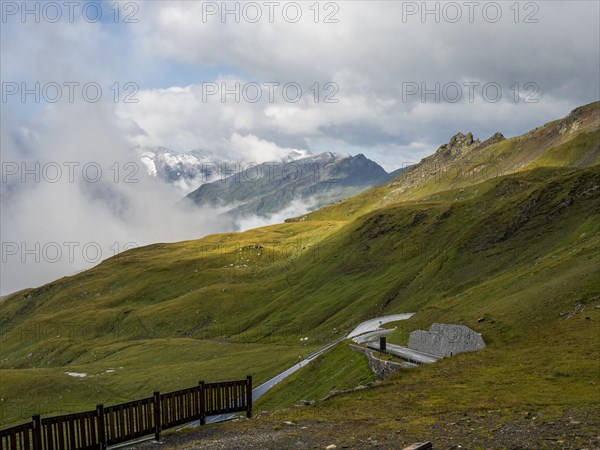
313 181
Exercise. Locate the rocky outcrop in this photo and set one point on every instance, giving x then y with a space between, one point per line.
462 144
445 340
456 146
494 139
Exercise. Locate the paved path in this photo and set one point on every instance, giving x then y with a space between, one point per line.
373 324
365 327
403 352
260 390
372 336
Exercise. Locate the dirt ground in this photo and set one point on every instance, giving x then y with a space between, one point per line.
489 430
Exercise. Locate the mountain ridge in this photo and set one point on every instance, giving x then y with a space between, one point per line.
464 161
267 188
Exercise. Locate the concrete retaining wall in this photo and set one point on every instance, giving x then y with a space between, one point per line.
380 367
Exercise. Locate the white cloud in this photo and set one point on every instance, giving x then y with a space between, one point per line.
296 208
47 225
257 150
171 51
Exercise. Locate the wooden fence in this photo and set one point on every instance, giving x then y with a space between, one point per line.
112 425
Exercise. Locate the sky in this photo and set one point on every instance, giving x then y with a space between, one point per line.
84 83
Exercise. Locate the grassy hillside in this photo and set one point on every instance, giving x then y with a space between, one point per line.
539 391
519 250
570 142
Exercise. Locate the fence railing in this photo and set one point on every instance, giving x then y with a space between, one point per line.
115 424
129 421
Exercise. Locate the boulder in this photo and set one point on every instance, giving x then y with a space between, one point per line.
445 340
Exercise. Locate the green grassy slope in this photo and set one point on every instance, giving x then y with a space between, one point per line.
341 368
548 376
517 249
523 263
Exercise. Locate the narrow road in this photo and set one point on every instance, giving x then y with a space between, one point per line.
260 390
373 324
406 353
257 392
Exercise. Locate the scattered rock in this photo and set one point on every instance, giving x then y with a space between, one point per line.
333 394
306 403
332 446
579 307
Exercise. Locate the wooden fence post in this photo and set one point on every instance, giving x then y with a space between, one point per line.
101 430
249 396
157 416
202 397
37 432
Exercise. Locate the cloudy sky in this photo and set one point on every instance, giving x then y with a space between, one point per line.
249 81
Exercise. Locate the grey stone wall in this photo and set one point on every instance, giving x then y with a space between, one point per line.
445 340
380 367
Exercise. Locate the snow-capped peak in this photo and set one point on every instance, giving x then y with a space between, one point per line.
295 155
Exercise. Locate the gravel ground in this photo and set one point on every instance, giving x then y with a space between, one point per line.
481 430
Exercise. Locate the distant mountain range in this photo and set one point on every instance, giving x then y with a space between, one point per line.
307 180
299 182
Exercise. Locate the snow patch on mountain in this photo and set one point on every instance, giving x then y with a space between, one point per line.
147 159
188 171
296 155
